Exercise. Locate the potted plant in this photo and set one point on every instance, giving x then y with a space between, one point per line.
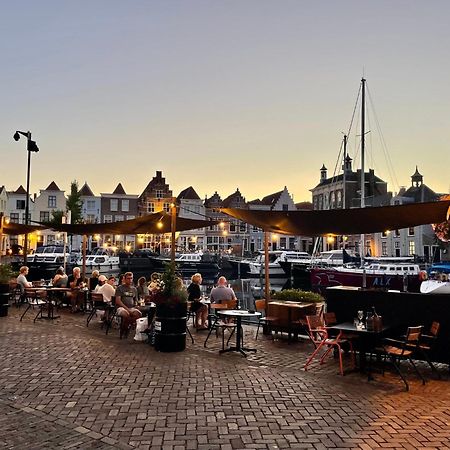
6 273
171 312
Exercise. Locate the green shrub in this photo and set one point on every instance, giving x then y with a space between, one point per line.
297 295
6 273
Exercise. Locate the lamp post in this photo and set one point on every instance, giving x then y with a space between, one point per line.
31 147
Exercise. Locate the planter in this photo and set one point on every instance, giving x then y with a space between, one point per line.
170 327
4 299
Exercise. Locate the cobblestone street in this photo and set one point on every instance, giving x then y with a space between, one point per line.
67 386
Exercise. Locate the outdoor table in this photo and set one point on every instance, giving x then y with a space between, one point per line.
238 314
52 291
290 306
367 339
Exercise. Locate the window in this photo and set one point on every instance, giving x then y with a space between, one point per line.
51 239
412 248
411 231
131 217
14 217
339 199
333 200
255 229
384 248
285 207
52 201
291 243
232 227
166 207
243 227
151 207
107 218
44 216
114 204
20 204
159 193
90 218
125 205
396 244
283 242
384 234
23 218
397 233
118 218
90 204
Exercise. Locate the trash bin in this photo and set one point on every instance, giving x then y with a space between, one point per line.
170 327
4 299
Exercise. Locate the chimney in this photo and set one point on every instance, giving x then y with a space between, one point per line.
323 173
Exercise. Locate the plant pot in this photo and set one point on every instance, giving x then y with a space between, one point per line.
170 327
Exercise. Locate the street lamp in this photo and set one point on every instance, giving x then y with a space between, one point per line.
31 147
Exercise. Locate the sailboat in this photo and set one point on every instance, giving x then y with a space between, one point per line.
395 274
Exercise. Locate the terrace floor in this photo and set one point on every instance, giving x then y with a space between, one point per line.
67 386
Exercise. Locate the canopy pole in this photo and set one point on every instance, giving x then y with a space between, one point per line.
83 270
2 218
266 269
173 227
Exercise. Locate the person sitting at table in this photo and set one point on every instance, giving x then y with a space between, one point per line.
22 279
93 281
75 282
142 289
155 280
60 279
200 310
126 297
222 292
107 287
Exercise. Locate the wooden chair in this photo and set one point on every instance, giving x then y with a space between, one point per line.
321 340
260 306
405 349
426 344
97 304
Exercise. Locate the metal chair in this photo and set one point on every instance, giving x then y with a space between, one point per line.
222 325
97 304
426 344
398 350
35 298
260 306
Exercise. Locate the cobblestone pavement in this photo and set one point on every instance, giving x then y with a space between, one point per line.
67 386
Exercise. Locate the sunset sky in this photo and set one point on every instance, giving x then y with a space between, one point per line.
222 95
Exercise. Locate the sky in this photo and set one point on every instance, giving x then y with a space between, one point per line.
221 95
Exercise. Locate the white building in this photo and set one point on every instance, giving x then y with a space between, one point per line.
15 210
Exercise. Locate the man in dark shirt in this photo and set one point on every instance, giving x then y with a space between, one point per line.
126 297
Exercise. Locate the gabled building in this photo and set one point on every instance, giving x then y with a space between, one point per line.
91 205
191 207
116 207
49 200
216 240
4 244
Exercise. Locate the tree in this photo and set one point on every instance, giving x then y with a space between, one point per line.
74 203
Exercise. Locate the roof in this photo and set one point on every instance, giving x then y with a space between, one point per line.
235 197
213 201
350 176
119 190
421 193
188 194
52 187
86 191
271 199
304 206
344 221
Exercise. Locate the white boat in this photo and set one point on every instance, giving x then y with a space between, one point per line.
103 260
435 287
48 257
257 266
329 258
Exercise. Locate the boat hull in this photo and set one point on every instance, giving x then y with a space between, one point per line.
435 287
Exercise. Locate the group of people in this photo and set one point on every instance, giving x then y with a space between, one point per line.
219 294
127 293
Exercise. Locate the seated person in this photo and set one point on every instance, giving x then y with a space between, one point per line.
75 282
93 281
155 279
195 295
106 287
60 279
22 281
222 292
142 289
126 297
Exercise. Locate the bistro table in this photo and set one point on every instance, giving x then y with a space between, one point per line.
367 339
238 314
290 306
53 293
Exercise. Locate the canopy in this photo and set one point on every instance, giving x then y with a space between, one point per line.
344 221
152 224
17 228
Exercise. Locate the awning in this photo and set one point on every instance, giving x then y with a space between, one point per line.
18 228
344 221
157 223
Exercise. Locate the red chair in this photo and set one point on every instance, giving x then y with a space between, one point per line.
320 338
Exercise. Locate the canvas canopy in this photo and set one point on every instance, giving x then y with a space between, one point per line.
152 224
16 229
344 221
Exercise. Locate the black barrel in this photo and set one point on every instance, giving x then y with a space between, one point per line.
170 327
4 299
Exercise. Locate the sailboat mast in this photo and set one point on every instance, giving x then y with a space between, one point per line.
344 176
363 146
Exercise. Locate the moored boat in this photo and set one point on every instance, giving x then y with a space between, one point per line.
103 260
437 282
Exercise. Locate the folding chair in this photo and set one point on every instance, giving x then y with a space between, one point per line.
220 324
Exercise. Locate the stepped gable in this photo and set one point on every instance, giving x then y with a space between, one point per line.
158 182
52 187
271 199
214 201
119 190
235 200
86 191
188 194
